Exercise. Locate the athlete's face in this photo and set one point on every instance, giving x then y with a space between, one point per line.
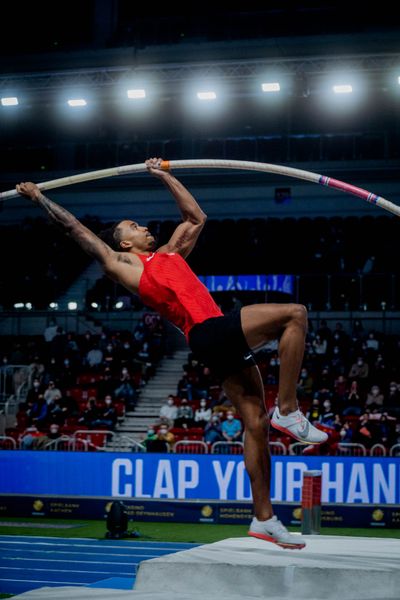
134 236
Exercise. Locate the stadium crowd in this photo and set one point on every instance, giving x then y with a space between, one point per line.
349 386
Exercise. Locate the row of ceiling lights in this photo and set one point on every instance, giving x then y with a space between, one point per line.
205 95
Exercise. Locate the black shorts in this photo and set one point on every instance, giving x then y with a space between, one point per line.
219 343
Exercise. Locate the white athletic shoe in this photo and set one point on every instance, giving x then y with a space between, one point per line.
274 531
298 426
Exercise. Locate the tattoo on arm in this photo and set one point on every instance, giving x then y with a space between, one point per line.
88 241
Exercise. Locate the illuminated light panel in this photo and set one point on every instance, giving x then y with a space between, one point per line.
270 87
10 101
77 102
136 94
342 89
206 95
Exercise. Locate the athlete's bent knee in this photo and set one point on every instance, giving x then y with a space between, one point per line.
257 425
299 314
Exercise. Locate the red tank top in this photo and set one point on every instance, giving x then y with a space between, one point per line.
169 286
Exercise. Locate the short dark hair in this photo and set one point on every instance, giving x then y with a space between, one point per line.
112 236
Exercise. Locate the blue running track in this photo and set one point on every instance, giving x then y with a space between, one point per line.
28 562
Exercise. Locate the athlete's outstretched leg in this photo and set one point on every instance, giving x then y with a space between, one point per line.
263 322
246 391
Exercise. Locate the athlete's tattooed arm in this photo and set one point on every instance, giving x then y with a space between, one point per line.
87 240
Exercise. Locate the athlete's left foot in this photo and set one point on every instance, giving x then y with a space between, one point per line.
298 426
274 531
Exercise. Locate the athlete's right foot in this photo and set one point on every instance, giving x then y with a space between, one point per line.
298 426
274 531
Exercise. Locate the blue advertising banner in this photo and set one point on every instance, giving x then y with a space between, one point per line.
176 476
271 283
193 511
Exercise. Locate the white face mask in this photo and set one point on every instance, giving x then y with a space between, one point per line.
230 417
170 402
163 431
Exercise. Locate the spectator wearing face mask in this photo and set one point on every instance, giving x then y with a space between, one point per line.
202 414
90 414
359 370
340 337
39 412
54 434
107 415
107 385
57 410
305 384
164 435
68 373
109 355
151 437
337 362
51 392
169 411
327 416
231 428
94 357
313 414
353 404
372 343
34 391
213 430
392 399
185 414
346 433
374 398
125 388
124 352
320 346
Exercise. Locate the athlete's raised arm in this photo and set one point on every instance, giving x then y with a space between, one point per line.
88 241
185 235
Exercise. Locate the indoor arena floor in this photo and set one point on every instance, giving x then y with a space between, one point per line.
28 562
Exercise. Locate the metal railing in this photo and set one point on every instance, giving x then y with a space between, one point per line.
190 447
14 382
378 450
278 448
227 448
7 443
395 450
351 450
297 448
